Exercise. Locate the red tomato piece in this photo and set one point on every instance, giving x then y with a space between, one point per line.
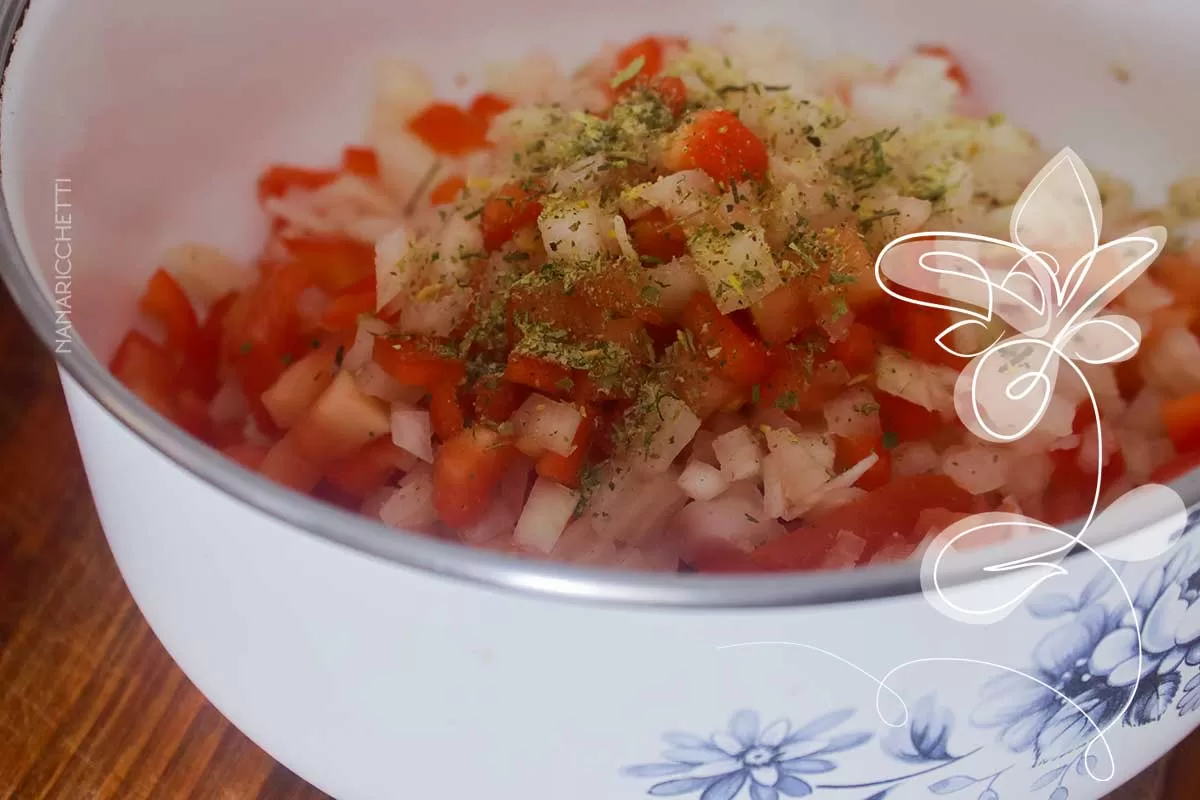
445 411
853 450
368 469
1181 417
496 399
414 362
673 93
334 263
287 464
165 301
1181 275
720 144
343 311
361 161
466 471
566 469
280 179
801 383
783 314
248 455
146 369
649 49
858 350
261 328
954 68
892 508
544 376
920 328
447 191
448 130
506 212
487 106
736 354
654 234
908 421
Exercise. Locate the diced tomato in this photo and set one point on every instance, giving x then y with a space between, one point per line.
146 369
165 301
487 106
566 469
361 161
1176 468
650 49
737 355
199 371
544 376
449 130
293 393
858 350
656 236
280 179
369 468
954 68
248 455
261 327
673 93
506 212
892 508
413 362
1181 417
1180 274
701 386
908 421
783 314
801 383
284 463
445 411
343 311
720 144
447 191
333 263
496 399
466 471
921 326
850 451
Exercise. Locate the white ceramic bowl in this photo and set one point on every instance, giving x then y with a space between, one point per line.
382 665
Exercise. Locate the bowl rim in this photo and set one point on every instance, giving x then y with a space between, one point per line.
464 563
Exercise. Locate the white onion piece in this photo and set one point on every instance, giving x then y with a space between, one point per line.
1143 413
735 519
577 540
628 505
844 552
228 404
915 458
835 498
412 430
702 481
542 424
895 549
310 305
853 414
683 195
1093 444
574 233
623 241
392 276
374 380
360 352
737 267
205 273
676 281
794 469
677 424
976 469
502 515
739 454
410 504
927 385
850 477
298 388
547 511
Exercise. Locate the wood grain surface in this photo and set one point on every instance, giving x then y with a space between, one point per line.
91 706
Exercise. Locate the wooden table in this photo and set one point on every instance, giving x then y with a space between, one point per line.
91 706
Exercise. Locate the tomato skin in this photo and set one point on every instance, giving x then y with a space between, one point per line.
343 312
954 68
1181 417
487 106
894 507
720 144
447 191
654 234
506 212
412 362
361 161
566 469
449 130
280 179
466 471
544 376
742 359
165 301
850 451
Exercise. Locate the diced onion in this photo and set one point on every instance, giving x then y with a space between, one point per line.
677 424
393 279
853 414
360 352
205 273
412 430
796 467
915 458
410 505
547 511
683 195
739 454
976 469
734 519
929 386
374 380
702 481
844 552
737 267
228 404
501 517
895 549
835 498
676 282
623 241
298 388
575 233
542 424
628 505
